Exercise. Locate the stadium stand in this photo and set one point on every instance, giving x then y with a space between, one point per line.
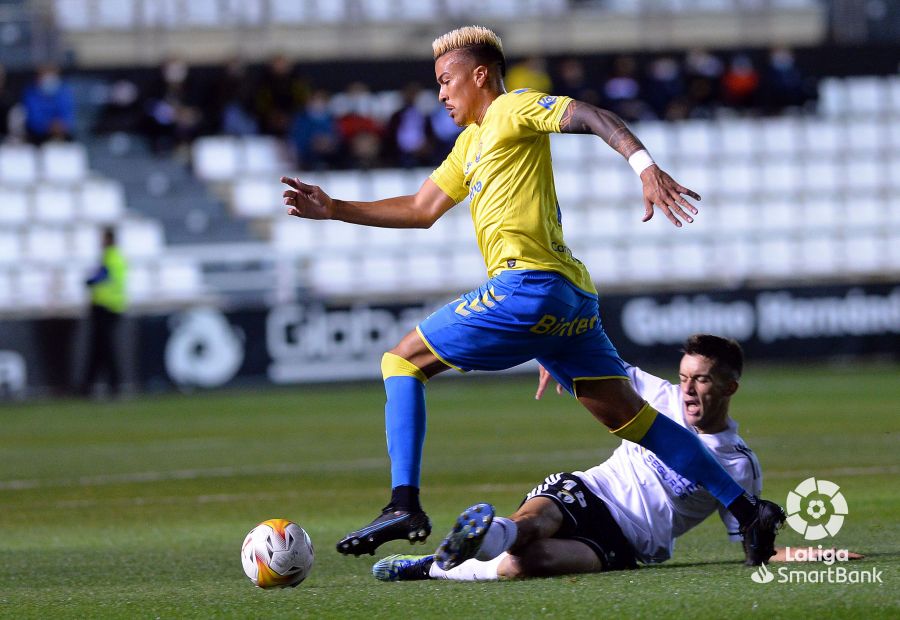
785 198
52 211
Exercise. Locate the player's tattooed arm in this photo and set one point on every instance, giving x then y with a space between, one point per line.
581 117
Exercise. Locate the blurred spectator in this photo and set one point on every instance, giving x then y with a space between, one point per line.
122 109
49 107
622 91
740 83
171 118
783 84
573 83
314 134
108 302
279 96
665 86
357 126
234 101
7 103
703 72
530 73
408 136
445 132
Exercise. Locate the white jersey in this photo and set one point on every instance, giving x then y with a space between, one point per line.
652 504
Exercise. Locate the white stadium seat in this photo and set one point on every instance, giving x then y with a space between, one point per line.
7 298
54 203
655 135
739 137
10 246
15 206
689 261
33 287
257 197
780 176
778 215
84 243
261 154
610 182
738 177
819 255
179 278
349 185
568 150
863 252
864 173
647 263
425 271
68 285
865 135
389 183
822 175
695 140
780 136
18 164
295 237
333 275
216 158
867 95
63 162
141 283
45 245
775 256
101 201
833 97
465 270
821 137
606 263
140 238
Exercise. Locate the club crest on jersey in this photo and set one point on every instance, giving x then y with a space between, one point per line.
547 102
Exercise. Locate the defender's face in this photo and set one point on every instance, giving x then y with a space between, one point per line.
705 393
458 92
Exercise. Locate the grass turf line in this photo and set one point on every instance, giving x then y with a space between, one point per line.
138 509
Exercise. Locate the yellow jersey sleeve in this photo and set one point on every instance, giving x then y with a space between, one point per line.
450 176
532 112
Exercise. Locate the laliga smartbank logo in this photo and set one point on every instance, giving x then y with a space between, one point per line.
816 509
762 575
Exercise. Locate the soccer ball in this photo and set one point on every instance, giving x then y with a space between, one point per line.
277 553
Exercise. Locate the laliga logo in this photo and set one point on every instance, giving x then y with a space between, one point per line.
762 575
808 512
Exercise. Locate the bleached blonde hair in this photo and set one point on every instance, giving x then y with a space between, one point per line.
467 36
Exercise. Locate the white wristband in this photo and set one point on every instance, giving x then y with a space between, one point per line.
640 161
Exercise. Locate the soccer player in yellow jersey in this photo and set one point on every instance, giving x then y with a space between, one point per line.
539 301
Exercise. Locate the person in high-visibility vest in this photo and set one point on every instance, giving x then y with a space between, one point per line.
108 303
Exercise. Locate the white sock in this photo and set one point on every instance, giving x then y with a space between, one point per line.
500 536
470 570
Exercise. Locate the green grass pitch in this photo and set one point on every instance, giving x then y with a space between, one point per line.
137 509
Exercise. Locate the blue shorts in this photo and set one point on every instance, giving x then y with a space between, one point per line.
518 316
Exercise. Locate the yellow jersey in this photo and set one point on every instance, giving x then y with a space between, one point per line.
504 167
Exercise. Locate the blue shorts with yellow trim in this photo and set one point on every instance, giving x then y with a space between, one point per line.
518 316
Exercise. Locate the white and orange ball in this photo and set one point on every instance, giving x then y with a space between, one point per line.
277 553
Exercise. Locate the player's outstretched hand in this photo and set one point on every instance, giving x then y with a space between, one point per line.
307 201
544 379
661 190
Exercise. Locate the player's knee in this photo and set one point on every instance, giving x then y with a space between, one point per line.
612 401
393 365
535 560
